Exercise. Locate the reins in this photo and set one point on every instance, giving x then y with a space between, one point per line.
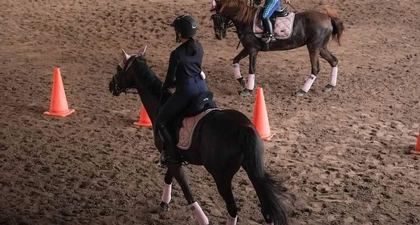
292 7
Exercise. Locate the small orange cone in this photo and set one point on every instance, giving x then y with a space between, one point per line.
417 148
144 120
58 106
260 119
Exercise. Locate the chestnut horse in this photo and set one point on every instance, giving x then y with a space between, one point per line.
313 29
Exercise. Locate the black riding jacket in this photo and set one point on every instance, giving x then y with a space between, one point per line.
183 66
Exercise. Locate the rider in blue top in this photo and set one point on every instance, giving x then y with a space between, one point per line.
184 73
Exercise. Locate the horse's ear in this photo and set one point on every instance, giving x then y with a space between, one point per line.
213 5
142 51
125 55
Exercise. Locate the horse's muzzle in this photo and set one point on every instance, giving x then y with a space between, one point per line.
219 34
114 93
112 88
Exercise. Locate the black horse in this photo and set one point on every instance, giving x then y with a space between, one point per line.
313 29
221 151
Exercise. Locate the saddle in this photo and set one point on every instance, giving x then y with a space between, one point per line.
281 20
182 128
278 13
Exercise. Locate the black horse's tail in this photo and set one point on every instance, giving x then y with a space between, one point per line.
272 195
337 23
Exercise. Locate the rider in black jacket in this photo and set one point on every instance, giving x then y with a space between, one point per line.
184 73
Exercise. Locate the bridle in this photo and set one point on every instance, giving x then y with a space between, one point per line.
221 22
124 65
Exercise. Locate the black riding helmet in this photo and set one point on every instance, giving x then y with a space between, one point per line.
185 25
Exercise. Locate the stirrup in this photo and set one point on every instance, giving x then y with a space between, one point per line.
271 38
171 158
162 164
265 39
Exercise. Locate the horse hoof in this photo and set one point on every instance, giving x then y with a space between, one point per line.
245 92
162 207
329 87
300 93
242 82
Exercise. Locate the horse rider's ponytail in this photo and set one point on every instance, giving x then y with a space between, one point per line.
192 46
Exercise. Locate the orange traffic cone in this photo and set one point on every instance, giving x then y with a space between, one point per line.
260 119
58 106
144 120
417 148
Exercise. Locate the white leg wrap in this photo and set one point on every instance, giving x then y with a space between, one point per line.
334 72
309 83
230 220
251 82
166 196
236 71
199 214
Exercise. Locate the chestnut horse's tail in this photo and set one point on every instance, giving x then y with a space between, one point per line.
272 195
337 23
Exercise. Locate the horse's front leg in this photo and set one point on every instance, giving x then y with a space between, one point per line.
249 87
178 172
166 195
314 57
237 68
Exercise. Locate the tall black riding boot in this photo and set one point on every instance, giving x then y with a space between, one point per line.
268 28
170 154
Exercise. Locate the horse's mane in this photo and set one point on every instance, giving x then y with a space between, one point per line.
238 10
150 79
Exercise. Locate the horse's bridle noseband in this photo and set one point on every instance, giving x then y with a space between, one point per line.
222 22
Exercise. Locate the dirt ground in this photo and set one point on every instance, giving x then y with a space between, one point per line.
342 153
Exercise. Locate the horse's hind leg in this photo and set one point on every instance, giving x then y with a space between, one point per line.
224 186
178 172
333 61
314 52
